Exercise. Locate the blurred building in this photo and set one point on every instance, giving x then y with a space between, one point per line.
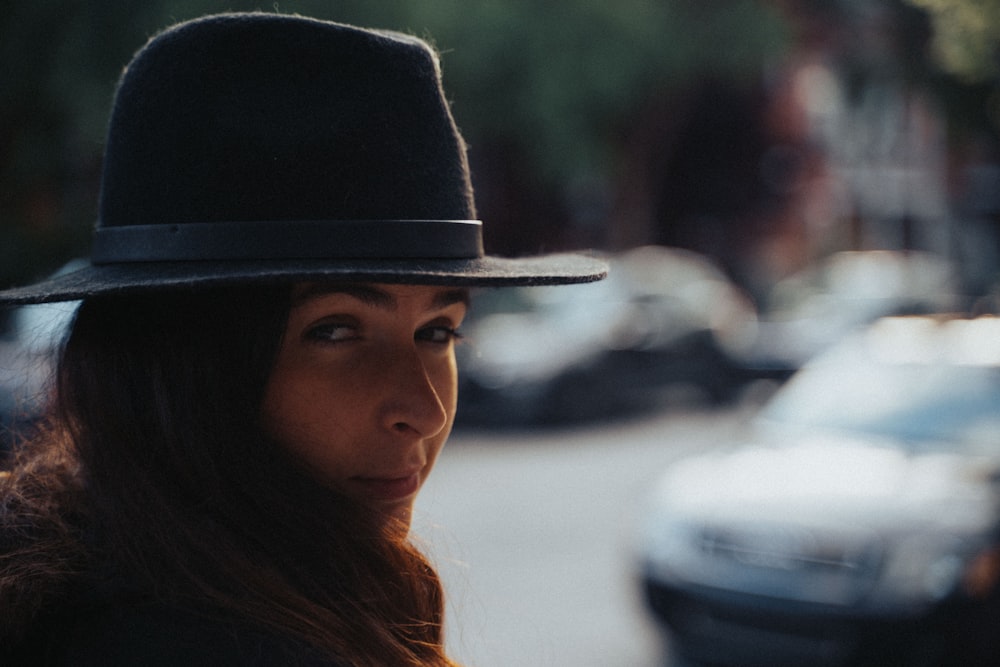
843 144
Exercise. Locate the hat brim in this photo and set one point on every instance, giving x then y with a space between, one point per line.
131 278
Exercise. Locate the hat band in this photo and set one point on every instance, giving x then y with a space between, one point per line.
293 239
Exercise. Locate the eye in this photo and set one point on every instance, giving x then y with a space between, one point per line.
332 332
438 334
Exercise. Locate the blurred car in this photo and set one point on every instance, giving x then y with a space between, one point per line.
662 321
28 347
808 311
856 523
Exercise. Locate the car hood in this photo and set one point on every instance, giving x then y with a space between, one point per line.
836 480
828 520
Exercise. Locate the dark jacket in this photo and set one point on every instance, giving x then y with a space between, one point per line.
58 608
131 631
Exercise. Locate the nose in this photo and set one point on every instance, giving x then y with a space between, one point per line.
413 404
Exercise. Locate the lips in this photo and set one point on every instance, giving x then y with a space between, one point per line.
389 488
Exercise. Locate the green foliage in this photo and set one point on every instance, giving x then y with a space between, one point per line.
562 78
557 83
966 36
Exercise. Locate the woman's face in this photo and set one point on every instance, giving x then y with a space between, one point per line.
363 390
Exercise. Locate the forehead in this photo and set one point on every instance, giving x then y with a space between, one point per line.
387 296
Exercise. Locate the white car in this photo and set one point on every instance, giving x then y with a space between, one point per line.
858 523
28 354
664 320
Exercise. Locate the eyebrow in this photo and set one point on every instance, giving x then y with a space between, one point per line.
375 297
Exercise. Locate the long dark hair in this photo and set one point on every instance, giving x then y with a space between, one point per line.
159 396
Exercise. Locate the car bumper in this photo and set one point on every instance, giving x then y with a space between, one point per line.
717 628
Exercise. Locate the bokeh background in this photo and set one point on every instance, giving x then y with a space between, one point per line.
765 134
838 159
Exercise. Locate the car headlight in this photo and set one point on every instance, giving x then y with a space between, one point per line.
982 574
925 569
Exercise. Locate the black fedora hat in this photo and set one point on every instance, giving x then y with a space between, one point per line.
263 147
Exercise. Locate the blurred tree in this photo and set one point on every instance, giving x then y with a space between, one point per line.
966 46
547 95
59 61
966 43
967 36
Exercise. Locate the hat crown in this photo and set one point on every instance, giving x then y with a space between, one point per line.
259 148
247 117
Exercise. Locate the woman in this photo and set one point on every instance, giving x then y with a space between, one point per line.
261 372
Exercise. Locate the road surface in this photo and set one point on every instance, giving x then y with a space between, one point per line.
532 535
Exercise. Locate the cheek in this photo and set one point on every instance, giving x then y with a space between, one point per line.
309 418
306 392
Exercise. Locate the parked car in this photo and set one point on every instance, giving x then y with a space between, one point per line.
808 311
661 322
28 348
856 523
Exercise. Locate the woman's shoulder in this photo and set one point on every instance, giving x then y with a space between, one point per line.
144 632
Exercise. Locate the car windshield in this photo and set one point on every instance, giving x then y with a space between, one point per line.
917 403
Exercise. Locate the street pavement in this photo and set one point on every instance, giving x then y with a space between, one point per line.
532 533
